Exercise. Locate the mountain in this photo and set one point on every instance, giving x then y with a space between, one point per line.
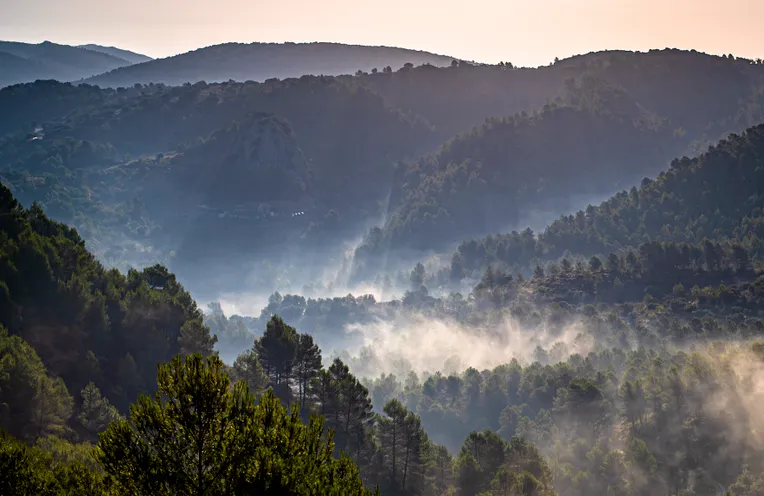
715 196
618 351
693 90
132 57
262 61
496 175
119 163
156 166
51 61
605 129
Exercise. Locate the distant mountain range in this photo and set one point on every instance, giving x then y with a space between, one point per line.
261 61
26 62
132 57
115 67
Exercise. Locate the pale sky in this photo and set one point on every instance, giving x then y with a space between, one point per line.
525 32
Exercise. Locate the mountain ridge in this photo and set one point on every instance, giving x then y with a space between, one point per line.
130 56
290 59
49 60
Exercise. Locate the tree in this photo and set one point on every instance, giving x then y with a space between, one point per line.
247 368
199 435
416 278
402 443
32 404
22 469
51 467
195 338
276 350
439 468
352 413
96 413
538 272
307 364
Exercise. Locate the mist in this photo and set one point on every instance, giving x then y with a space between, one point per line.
423 344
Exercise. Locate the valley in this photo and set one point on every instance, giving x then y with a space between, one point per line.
484 279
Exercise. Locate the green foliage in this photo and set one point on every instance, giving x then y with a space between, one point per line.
247 368
54 467
200 435
22 470
85 323
96 413
32 404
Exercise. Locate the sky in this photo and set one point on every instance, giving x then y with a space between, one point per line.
524 32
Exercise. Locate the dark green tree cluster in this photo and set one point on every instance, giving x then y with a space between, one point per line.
390 447
197 435
201 435
88 324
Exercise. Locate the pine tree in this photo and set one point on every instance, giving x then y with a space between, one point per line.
199 435
307 364
96 413
277 349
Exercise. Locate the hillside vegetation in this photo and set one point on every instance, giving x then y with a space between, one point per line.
585 126
715 196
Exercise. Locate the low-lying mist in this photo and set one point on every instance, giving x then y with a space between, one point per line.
414 342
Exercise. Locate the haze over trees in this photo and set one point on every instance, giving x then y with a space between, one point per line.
200 161
617 350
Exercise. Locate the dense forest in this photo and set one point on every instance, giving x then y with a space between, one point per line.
326 285
713 197
138 170
54 408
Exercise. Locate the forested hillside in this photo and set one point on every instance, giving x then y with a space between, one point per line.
339 138
86 323
715 196
143 172
495 176
606 130
618 351
616 368
69 330
692 90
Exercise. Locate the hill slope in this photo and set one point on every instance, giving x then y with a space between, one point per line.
132 57
693 90
717 195
261 61
93 154
87 323
51 61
